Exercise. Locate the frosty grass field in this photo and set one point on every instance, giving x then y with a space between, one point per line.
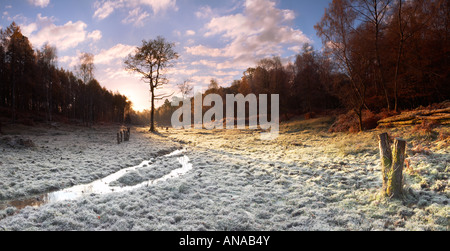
307 179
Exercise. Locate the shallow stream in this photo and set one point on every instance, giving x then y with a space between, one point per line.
102 186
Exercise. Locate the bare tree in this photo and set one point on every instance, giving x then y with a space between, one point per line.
374 14
185 88
213 85
150 61
85 72
86 68
337 30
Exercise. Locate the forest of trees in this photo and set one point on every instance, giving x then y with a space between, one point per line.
378 56
34 89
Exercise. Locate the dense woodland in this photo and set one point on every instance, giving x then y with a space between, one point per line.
34 89
378 56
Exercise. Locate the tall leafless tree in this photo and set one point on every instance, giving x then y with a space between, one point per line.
151 60
374 13
337 32
185 88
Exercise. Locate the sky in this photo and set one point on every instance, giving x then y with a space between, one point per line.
215 39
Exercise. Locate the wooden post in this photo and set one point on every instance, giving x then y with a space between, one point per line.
118 138
386 157
392 163
395 182
121 136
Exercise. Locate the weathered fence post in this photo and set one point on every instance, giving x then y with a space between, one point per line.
123 135
395 183
386 157
392 162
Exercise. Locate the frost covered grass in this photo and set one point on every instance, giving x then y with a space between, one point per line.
307 179
65 156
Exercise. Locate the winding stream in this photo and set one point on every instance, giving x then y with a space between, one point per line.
102 186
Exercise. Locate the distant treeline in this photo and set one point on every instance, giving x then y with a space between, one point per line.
34 89
378 56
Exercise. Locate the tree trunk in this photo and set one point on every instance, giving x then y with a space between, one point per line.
397 68
380 69
49 102
152 117
13 107
360 123
392 163
359 114
399 55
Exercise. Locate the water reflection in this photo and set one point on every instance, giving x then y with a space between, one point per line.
102 186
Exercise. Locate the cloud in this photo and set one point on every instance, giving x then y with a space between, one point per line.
95 35
158 5
201 50
39 3
207 63
190 42
105 8
64 37
19 18
226 73
70 61
202 80
117 52
190 33
261 30
296 48
231 26
28 29
181 71
136 17
204 12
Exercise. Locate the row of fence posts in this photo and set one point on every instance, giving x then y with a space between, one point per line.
123 135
